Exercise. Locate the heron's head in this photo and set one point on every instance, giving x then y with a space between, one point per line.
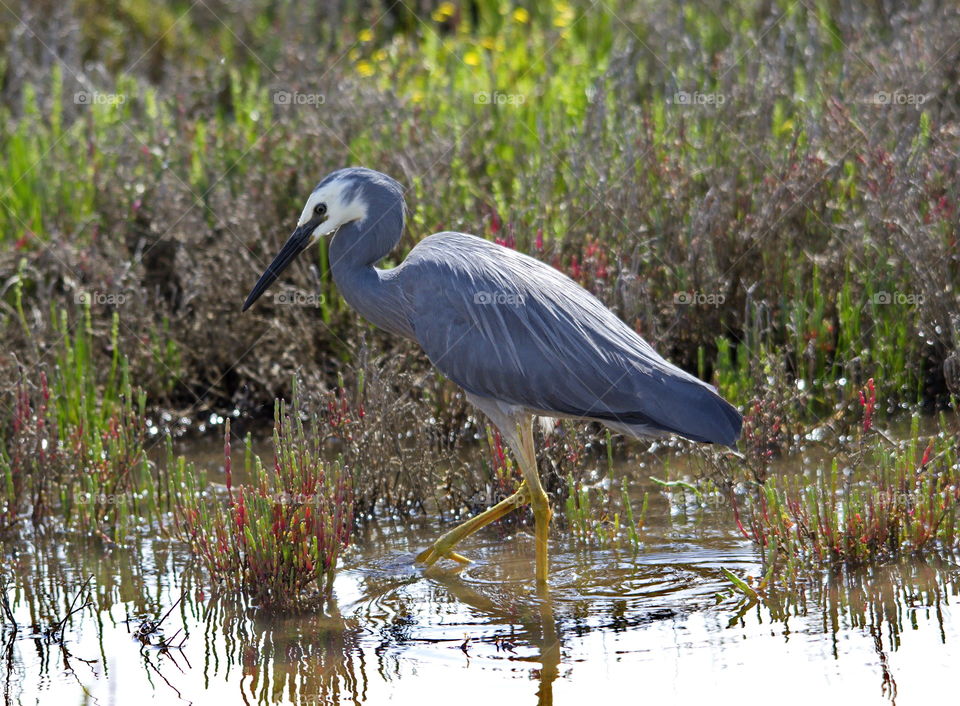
344 196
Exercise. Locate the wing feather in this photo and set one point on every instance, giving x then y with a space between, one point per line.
506 326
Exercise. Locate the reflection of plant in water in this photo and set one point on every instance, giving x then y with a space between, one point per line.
148 597
279 538
308 658
882 602
60 597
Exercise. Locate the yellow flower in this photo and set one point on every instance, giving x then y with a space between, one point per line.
471 58
365 68
365 35
380 55
564 16
488 43
521 15
445 10
417 96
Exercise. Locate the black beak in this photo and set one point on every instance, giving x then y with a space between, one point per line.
295 245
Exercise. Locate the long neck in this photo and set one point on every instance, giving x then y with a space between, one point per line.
374 293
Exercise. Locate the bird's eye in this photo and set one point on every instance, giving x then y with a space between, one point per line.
320 209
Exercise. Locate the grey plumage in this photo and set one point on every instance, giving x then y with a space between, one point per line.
510 329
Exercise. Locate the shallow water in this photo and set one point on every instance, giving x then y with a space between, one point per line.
643 627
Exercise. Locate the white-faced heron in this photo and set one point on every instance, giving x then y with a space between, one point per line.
521 338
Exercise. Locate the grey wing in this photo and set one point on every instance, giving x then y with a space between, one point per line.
509 327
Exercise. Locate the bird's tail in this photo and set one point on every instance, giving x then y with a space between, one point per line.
699 415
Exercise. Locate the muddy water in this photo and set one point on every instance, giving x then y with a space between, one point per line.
646 627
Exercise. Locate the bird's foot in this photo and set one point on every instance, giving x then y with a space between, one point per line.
443 547
431 555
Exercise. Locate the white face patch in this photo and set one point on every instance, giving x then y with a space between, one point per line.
339 209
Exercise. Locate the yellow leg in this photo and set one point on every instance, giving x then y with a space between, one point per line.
538 497
443 546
